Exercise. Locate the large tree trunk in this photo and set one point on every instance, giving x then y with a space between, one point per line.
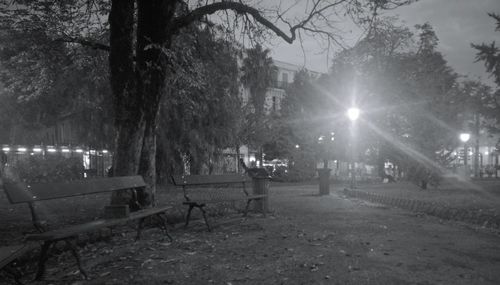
129 123
153 36
138 84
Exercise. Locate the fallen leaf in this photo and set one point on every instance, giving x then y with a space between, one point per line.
146 261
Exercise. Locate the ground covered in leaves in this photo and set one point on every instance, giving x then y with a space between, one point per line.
306 239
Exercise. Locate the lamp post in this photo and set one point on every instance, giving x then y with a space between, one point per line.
353 114
464 137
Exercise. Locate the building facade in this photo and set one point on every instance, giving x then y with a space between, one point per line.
283 78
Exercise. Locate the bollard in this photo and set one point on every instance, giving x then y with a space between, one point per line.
260 183
261 186
324 181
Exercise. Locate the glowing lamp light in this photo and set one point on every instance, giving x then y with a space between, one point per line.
37 149
297 146
464 137
104 151
79 150
21 149
65 150
353 114
486 153
51 150
6 149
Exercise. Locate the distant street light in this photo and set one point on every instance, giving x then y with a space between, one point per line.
353 115
464 137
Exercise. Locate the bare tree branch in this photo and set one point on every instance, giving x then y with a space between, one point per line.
84 42
241 8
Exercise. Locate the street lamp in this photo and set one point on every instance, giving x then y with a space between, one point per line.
353 114
464 137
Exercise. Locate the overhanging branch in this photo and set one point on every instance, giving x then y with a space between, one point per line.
239 8
84 42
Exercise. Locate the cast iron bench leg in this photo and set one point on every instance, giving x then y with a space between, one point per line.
162 222
247 207
43 258
74 251
191 206
13 273
140 225
203 212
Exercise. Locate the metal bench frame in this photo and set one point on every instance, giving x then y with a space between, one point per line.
187 181
9 254
25 193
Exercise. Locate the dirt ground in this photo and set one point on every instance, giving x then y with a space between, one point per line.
306 239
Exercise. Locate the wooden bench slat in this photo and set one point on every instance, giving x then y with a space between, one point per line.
192 180
27 193
94 225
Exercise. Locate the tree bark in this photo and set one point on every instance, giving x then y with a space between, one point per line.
238 166
153 39
477 126
129 123
138 86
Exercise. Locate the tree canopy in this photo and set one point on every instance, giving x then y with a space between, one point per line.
489 54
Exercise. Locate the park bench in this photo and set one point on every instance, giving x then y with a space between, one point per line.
31 193
200 190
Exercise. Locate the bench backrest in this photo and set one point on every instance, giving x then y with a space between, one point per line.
208 187
193 180
29 193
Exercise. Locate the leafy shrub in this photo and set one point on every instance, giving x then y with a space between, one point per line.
424 176
52 168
